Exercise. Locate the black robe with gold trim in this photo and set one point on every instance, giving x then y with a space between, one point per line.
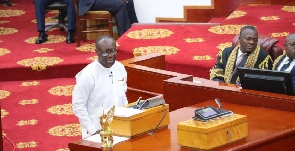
226 59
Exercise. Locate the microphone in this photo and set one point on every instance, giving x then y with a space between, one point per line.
218 103
111 74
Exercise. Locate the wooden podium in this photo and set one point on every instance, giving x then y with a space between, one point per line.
270 116
142 123
268 129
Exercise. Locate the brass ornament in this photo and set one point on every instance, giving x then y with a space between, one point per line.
29 83
29 102
43 50
236 14
11 13
27 122
193 40
51 39
282 34
166 50
289 9
7 31
87 48
31 144
40 63
4 113
150 34
62 90
64 109
70 130
266 18
93 58
205 57
226 29
4 94
106 132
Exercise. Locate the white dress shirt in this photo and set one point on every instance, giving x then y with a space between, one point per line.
240 56
98 88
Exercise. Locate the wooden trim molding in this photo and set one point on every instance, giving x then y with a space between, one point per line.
180 90
218 9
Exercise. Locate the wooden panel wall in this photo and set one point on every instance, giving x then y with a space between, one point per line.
1 139
218 9
181 90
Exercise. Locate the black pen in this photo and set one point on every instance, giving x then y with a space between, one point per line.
143 104
218 103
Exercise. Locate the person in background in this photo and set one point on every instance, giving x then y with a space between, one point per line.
100 85
123 9
292 72
246 54
286 61
40 8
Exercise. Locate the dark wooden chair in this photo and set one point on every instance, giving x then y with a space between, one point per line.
265 42
8 3
92 22
61 23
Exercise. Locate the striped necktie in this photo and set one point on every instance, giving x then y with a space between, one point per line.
286 65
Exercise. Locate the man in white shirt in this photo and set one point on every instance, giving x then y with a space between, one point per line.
286 61
99 86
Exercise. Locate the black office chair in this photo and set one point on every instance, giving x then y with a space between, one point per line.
8 3
61 7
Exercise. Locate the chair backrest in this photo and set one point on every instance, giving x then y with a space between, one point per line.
101 18
265 42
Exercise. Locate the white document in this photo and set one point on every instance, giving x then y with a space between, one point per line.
126 112
97 138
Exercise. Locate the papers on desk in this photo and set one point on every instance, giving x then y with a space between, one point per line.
126 112
97 138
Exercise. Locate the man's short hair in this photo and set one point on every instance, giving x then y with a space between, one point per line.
102 38
247 27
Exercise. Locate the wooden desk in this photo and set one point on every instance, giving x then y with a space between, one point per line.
269 129
1 139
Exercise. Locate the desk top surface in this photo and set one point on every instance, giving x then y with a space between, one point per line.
263 124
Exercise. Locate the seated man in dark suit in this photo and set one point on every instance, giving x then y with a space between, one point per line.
286 61
292 72
124 10
246 54
40 8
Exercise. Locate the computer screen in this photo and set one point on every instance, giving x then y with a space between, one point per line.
266 80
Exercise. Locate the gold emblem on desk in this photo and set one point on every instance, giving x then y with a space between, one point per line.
107 133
